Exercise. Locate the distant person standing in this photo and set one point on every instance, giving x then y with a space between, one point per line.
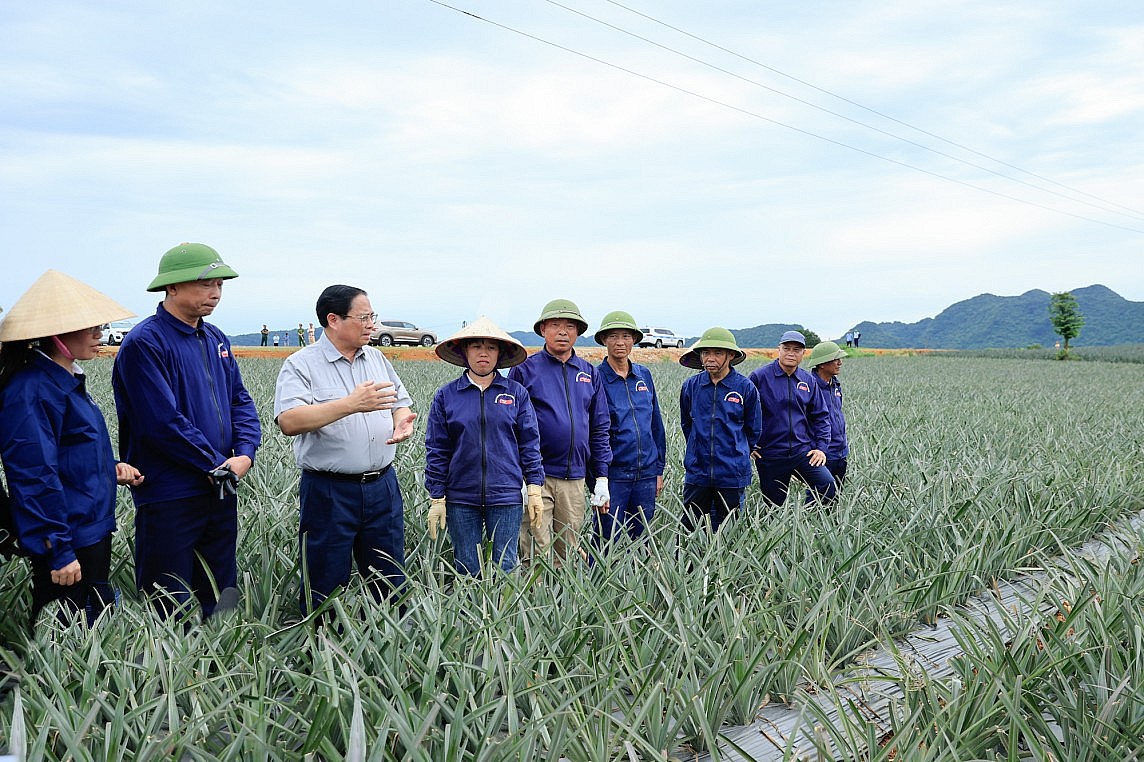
572 415
637 437
188 423
275 339
265 334
481 444
849 338
721 420
857 336
301 335
825 362
310 334
796 425
347 410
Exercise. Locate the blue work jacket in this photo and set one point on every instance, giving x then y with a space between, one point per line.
183 409
721 422
481 445
832 395
637 436
795 418
57 460
571 413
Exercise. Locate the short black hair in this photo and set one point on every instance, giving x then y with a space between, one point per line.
336 300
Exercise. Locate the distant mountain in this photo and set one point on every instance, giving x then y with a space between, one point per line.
987 321
984 322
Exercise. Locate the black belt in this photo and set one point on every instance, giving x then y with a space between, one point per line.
368 476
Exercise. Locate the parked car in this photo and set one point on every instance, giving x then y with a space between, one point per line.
660 338
113 333
386 333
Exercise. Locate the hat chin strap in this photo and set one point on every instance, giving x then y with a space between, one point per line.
63 349
482 375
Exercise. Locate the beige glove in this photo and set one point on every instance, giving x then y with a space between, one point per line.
436 516
535 506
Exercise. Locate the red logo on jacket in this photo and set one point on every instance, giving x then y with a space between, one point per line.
583 378
734 398
505 399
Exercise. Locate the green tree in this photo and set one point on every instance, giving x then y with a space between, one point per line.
812 338
1065 315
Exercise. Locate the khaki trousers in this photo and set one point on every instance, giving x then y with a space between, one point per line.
561 520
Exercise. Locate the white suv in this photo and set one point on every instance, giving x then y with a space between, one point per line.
660 338
113 333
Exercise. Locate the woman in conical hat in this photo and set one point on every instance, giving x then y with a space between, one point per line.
481 445
54 443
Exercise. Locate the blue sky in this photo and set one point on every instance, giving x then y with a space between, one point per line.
454 168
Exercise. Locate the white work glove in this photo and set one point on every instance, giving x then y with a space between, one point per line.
436 516
535 505
600 495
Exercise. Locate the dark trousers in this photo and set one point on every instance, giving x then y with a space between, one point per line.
775 475
186 547
345 521
91 595
837 469
714 504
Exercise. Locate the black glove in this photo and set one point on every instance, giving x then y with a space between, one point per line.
225 480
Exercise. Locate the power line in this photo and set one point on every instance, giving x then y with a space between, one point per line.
1130 211
778 123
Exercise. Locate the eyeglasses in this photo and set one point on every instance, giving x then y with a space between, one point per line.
370 318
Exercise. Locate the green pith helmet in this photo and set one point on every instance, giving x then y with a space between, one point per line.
187 262
712 338
619 320
561 308
824 351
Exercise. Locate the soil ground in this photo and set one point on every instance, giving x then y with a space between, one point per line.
591 354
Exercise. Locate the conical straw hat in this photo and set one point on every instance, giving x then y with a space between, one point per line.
58 303
451 349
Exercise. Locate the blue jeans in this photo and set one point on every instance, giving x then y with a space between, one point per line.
631 511
343 521
470 526
186 547
716 504
775 475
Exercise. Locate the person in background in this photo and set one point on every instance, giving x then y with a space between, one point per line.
572 415
636 435
849 338
825 362
275 339
481 444
188 423
347 410
721 420
265 335
796 426
54 443
301 335
310 334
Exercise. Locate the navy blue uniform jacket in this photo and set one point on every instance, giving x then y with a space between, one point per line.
571 413
183 409
58 462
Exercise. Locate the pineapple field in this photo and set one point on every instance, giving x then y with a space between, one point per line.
964 473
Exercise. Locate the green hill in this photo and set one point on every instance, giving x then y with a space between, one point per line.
989 321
